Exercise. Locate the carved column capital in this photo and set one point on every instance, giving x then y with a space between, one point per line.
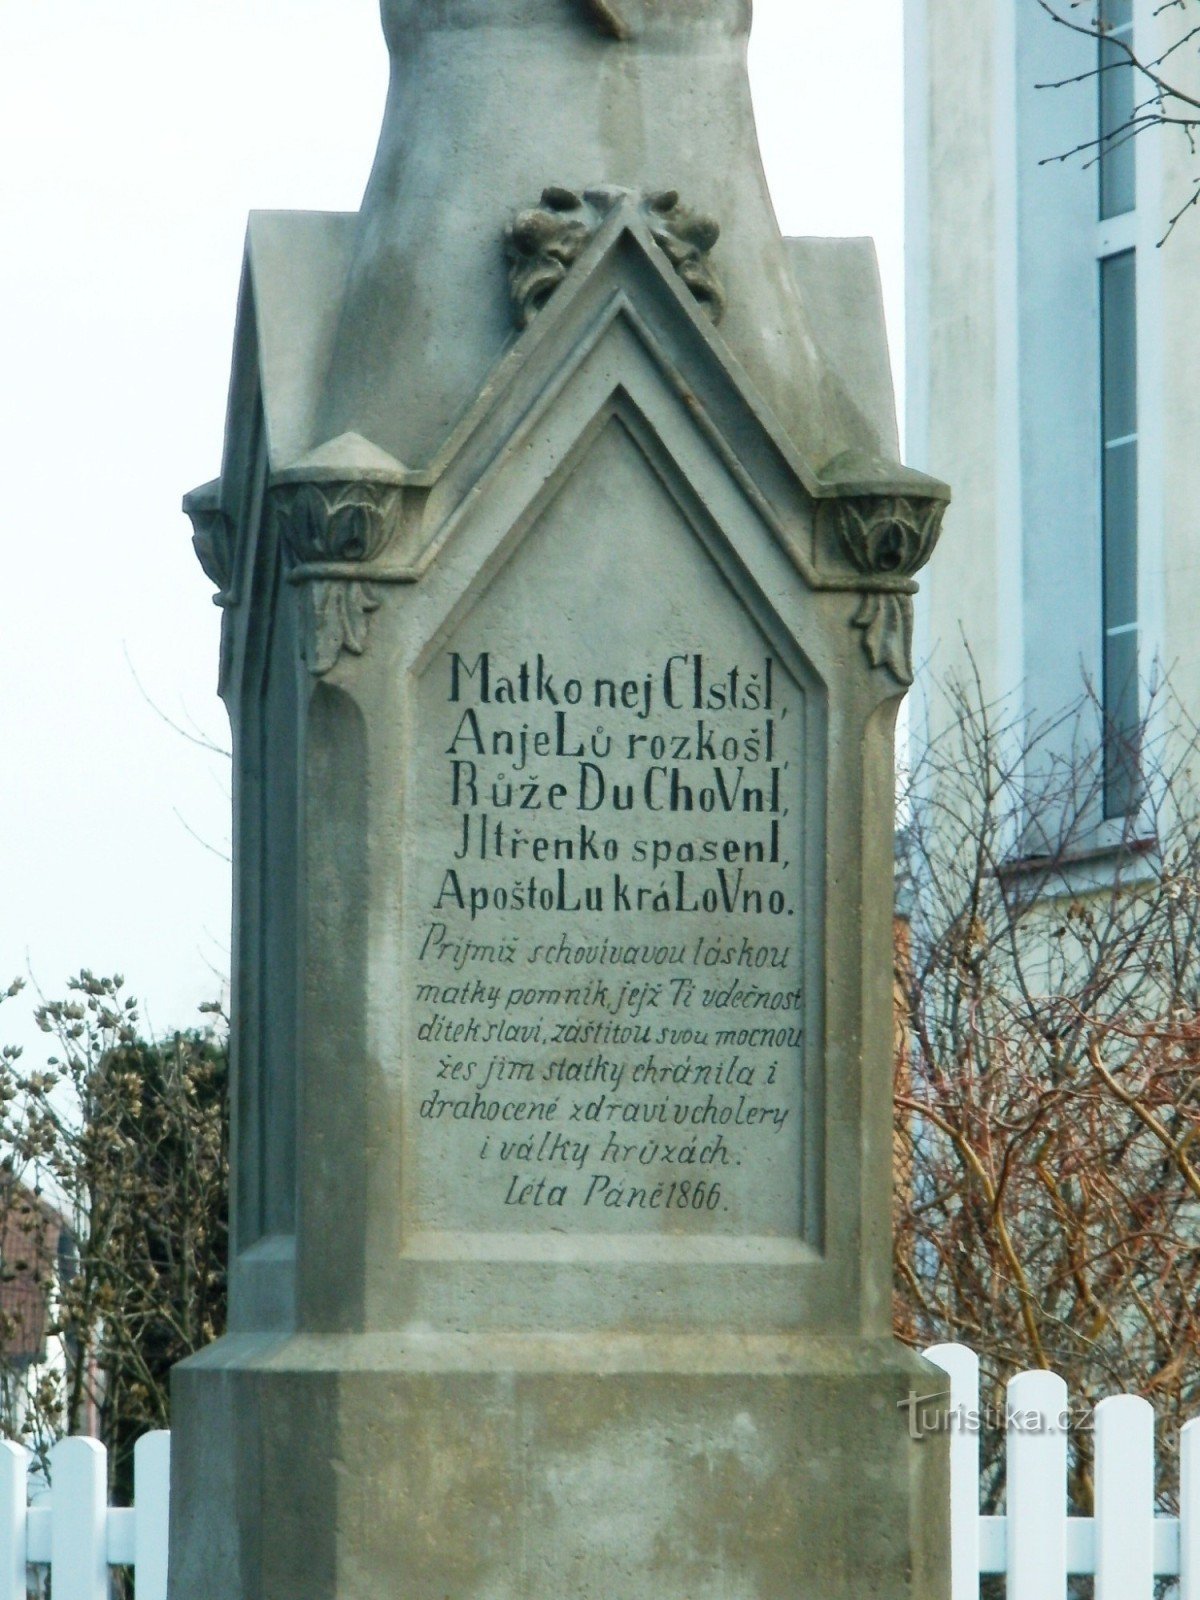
213 540
887 539
328 530
322 523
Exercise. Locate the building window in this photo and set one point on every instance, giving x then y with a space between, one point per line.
1117 180
1118 335
1118 412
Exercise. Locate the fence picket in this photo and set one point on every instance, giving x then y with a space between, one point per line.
1124 1499
14 1468
962 1368
1125 1544
1037 1487
152 1503
78 1520
1189 1512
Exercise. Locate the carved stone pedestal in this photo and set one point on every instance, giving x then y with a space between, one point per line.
567 568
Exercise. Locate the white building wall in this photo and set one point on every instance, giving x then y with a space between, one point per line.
959 295
1169 313
1004 362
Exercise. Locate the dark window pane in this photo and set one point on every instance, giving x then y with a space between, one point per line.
1119 532
1122 724
1118 312
1118 184
1120 535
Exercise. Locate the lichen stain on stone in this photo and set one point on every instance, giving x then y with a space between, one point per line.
454 1471
674 1508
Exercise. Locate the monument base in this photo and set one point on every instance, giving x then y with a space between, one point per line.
472 1467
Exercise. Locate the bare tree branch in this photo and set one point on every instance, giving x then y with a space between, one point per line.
1048 1060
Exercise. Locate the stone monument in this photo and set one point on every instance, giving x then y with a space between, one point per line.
566 562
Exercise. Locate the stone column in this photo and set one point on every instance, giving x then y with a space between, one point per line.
567 567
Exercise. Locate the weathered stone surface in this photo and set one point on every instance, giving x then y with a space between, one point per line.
673 1468
563 664
492 103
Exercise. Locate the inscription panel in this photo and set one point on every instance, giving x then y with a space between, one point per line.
606 924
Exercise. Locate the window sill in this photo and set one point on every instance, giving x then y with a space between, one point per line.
1092 864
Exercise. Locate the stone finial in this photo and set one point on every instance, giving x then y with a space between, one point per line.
544 242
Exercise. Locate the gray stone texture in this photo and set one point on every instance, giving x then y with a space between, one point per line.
567 570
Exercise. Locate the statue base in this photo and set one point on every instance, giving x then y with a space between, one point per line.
460 1467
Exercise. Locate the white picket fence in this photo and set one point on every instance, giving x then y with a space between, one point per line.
72 1529
1036 1544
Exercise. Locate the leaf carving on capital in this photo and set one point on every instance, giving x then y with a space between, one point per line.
335 620
887 539
543 243
886 621
335 522
340 526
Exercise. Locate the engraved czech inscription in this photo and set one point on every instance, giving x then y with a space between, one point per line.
607 1007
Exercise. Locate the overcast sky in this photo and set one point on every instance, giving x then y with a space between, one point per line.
134 137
